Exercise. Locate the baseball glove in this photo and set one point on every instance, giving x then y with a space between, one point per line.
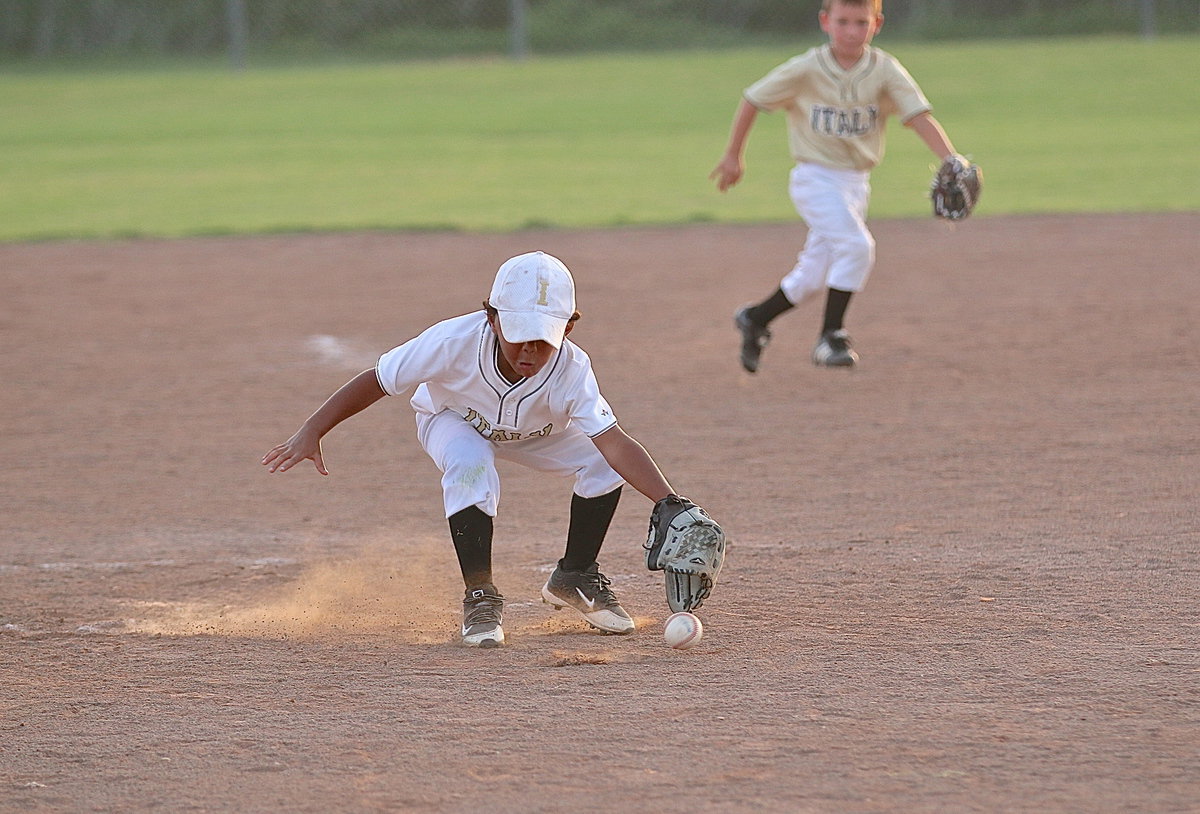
955 188
689 547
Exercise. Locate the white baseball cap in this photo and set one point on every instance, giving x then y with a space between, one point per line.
534 294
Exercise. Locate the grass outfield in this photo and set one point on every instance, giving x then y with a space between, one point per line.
1080 125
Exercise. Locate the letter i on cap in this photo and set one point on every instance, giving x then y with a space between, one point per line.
534 294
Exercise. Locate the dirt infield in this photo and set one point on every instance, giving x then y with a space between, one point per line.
964 577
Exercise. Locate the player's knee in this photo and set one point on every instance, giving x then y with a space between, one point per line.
859 247
467 473
471 482
855 259
799 287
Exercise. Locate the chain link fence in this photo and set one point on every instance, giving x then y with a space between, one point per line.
402 29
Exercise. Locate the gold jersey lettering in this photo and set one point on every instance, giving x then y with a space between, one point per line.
481 424
484 427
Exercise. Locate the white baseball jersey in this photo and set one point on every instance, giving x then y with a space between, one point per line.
454 365
837 117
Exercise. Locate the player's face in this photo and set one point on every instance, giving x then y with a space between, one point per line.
523 359
850 28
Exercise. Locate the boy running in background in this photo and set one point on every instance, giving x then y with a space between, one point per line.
837 98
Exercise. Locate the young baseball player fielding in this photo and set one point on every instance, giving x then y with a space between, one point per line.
838 98
505 382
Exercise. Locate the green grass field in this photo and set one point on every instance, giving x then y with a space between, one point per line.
1099 125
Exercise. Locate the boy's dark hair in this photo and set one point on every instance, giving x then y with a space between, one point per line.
876 6
491 312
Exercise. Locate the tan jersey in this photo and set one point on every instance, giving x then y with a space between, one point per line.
837 117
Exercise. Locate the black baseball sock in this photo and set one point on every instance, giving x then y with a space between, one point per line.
771 307
471 530
590 518
835 309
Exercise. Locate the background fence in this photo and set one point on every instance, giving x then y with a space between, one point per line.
399 29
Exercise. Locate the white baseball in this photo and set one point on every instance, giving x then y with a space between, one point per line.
683 630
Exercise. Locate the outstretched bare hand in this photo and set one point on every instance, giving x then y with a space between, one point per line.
300 447
727 173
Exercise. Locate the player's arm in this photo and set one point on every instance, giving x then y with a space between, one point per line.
353 397
729 170
931 132
633 463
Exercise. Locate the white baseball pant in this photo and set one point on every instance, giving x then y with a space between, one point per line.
840 250
467 461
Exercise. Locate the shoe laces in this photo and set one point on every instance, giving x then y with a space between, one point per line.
598 584
486 607
838 340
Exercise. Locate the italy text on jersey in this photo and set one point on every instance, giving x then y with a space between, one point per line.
844 122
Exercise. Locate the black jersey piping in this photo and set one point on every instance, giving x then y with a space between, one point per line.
491 352
548 374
